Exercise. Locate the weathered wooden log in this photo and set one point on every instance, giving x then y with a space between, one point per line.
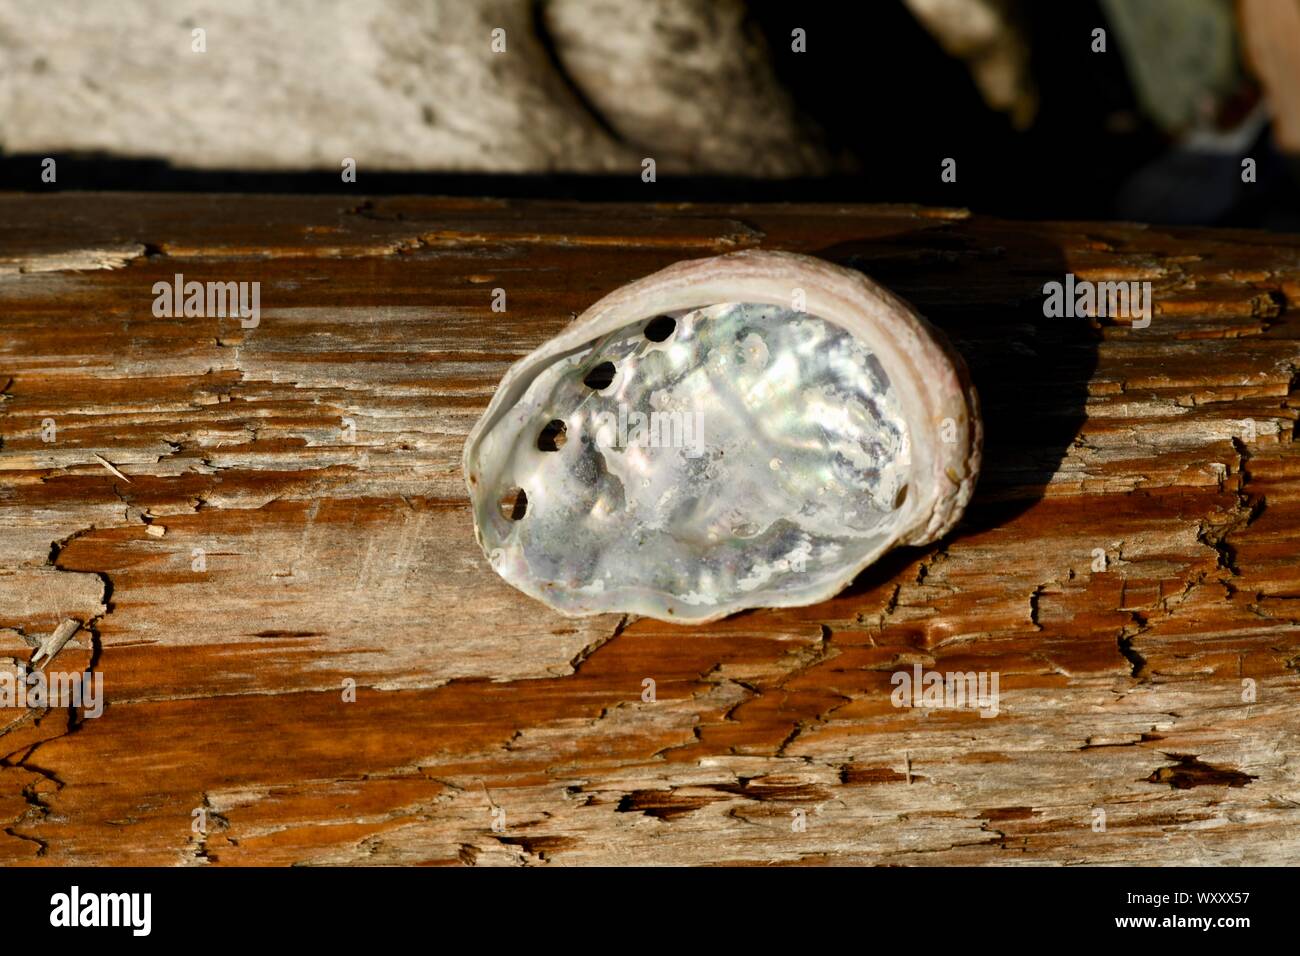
244 520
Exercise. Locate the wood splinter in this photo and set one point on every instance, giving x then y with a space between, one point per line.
54 642
109 465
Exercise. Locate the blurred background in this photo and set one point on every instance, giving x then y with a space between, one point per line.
1074 109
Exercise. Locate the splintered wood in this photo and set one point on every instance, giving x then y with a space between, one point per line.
313 663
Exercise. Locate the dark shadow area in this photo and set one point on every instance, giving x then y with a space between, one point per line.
982 285
890 102
81 172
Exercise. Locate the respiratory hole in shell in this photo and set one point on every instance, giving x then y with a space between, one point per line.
660 327
553 436
600 377
514 504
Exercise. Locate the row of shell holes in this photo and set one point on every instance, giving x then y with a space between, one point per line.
514 503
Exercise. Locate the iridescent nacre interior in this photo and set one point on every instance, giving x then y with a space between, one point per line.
708 457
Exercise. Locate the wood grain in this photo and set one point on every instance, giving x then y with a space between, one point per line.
1169 448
